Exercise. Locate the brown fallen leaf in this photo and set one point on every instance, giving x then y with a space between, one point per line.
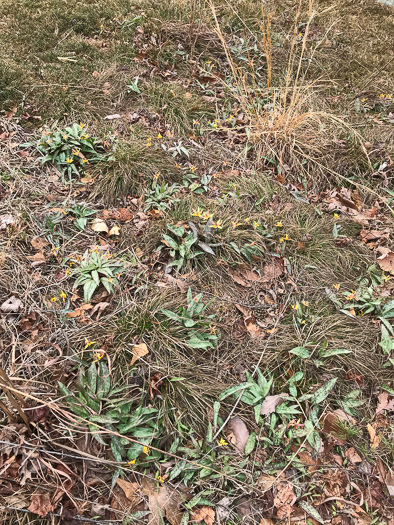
270 403
284 499
164 501
254 329
238 434
37 259
115 230
386 262
39 243
139 351
375 439
353 456
266 482
98 226
238 279
204 514
131 491
99 307
384 403
11 305
41 504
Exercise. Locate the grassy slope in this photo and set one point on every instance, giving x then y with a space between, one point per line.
72 64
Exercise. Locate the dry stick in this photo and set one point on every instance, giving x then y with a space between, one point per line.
131 440
78 518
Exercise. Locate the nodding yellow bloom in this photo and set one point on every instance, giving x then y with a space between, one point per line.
295 306
89 343
255 224
196 122
247 219
84 137
110 280
161 479
207 215
215 125
108 255
68 160
236 224
53 299
351 296
381 95
279 225
68 271
193 169
363 99
303 321
388 96
156 175
159 136
76 151
84 161
287 238
217 224
145 450
81 125
63 295
131 462
98 356
305 303
337 286
281 239
336 215
197 212
223 443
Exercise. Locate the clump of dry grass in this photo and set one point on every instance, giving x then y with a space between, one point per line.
283 122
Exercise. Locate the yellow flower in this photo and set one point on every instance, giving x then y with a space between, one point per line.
88 343
217 224
63 295
197 212
287 238
53 299
145 450
84 161
159 136
303 322
69 161
222 443
351 296
68 271
131 462
76 151
247 219
337 286
84 137
336 215
82 125
363 99
388 96
255 224
97 356
207 215
196 122
305 303
193 169
159 478
156 175
279 225
108 255
381 95
236 224
215 125
281 239
294 306
94 250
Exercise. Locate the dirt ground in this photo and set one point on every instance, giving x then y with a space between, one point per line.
196 262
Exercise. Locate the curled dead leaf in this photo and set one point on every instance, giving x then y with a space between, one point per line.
11 305
99 226
238 434
204 514
41 504
139 351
